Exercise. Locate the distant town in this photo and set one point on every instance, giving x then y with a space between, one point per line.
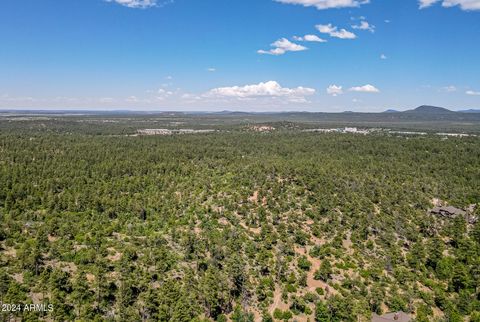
269 129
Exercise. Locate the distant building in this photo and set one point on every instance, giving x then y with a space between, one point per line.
322 130
459 135
407 133
389 317
170 132
356 130
155 132
262 128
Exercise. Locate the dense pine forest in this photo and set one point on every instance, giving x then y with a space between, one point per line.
235 225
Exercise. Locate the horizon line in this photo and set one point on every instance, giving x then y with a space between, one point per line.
120 110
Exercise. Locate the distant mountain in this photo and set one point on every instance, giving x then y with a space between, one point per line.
427 109
227 112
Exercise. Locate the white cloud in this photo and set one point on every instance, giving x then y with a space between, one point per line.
102 100
464 4
364 25
383 56
449 89
281 46
365 89
473 93
211 69
326 4
136 3
163 94
270 89
310 38
334 32
8 98
334 90
274 51
132 99
190 97
426 3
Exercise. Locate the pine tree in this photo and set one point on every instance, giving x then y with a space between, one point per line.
322 313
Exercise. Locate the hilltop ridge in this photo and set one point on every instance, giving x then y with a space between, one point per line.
428 109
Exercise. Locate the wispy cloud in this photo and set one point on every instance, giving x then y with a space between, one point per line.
449 89
106 100
8 98
333 31
282 46
141 4
136 3
326 4
472 93
463 4
163 94
364 25
426 3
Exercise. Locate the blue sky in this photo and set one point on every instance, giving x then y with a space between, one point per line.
251 55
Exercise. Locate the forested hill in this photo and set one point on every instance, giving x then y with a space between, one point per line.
431 110
236 225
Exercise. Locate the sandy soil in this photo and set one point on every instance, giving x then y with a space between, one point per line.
254 198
